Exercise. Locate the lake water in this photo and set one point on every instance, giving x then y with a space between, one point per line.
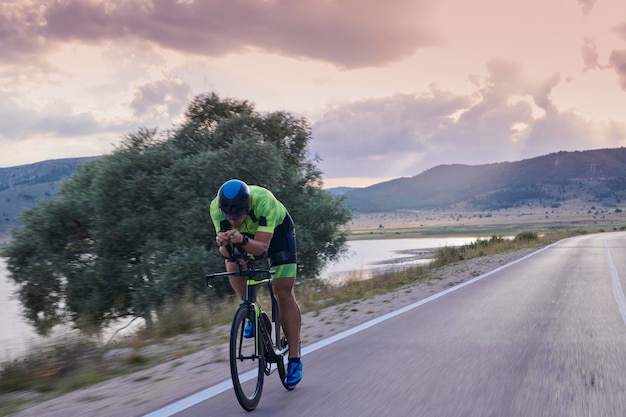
364 257
15 334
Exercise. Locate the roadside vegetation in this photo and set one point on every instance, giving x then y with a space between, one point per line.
76 362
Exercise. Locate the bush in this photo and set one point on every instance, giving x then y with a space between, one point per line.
526 237
448 255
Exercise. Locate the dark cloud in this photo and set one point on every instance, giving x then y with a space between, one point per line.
20 37
506 118
586 6
169 96
349 33
617 60
590 56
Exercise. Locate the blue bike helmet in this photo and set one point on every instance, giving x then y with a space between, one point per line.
234 199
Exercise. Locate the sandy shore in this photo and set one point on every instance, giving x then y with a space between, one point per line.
141 392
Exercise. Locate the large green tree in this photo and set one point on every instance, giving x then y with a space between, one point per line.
131 231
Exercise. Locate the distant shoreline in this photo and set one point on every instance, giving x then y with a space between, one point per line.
458 223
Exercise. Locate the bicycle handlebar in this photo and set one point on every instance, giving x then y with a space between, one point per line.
249 272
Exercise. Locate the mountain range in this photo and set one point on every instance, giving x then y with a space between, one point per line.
23 186
597 176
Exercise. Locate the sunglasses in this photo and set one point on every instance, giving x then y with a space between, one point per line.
236 215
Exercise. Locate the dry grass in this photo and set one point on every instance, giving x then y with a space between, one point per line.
573 215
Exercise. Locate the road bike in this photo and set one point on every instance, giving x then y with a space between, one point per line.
266 351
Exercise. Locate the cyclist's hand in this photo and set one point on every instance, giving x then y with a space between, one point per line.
222 238
235 237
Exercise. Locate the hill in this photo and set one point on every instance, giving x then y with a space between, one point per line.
340 190
23 186
597 176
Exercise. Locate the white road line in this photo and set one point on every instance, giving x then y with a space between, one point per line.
617 286
211 392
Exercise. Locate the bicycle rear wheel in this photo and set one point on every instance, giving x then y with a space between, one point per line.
281 342
247 364
282 369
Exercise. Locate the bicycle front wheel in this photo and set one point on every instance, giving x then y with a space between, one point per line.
247 364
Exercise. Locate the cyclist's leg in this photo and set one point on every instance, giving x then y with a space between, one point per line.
238 283
291 320
282 256
290 316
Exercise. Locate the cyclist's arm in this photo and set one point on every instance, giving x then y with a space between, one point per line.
260 244
257 246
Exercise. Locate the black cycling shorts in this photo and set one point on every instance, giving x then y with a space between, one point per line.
282 248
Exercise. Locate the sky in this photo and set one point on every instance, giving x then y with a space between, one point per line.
390 88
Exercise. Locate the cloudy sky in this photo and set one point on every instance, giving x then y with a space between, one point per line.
391 88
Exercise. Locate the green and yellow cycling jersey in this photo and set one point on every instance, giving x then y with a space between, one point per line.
265 215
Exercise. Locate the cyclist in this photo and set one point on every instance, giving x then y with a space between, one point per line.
253 220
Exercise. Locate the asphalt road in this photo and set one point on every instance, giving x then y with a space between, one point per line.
542 337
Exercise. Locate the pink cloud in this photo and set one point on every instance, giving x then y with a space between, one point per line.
621 30
350 33
171 93
406 134
590 55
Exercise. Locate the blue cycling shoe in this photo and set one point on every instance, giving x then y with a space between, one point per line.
248 331
294 372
